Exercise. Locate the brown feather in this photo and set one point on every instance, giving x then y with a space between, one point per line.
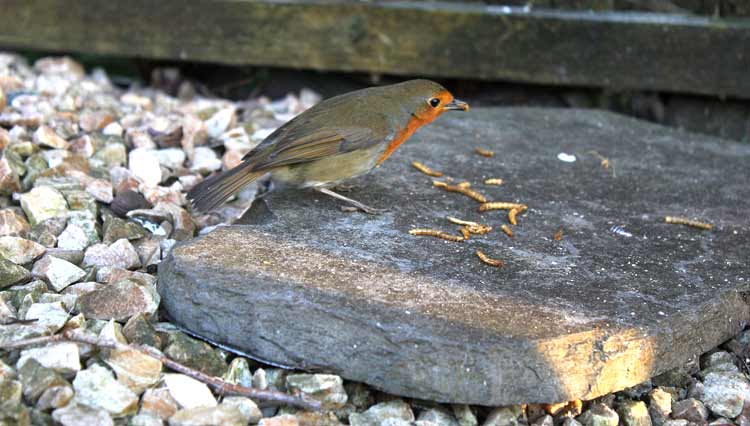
215 190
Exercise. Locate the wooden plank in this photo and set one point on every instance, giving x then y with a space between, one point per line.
612 50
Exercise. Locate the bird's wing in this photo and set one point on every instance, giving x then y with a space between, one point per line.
295 146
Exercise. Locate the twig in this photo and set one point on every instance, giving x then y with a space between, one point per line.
18 344
221 386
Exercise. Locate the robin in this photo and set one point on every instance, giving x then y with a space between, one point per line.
337 139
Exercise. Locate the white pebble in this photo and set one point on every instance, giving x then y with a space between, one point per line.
144 164
568 158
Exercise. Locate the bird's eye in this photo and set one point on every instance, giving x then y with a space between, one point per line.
434 102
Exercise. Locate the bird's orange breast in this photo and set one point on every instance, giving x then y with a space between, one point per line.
401 137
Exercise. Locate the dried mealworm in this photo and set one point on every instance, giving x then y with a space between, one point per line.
458 221
604 161
479 229
461 189
558 235
472 227
685 221
465 232
484 152
426 170
507 230
512 214
464 184
488 260
493 181
436 233
501 205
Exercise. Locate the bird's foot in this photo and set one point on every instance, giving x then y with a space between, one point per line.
264 187
363 208
345 188
353 204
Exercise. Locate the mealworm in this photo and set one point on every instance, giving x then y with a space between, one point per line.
479 229
472 227
458 221
484 152
678 220
493 181
461 188
488 260
513 212
507 230
604 161
436 233
501 205
465 232
426 170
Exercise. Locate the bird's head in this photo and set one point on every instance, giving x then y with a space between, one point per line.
426 100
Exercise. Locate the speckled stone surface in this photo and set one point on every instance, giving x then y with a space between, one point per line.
308 286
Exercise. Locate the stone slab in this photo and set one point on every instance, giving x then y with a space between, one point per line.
308 286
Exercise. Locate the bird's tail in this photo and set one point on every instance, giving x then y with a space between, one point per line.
215 190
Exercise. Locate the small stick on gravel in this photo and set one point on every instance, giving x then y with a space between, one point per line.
558 235
436 233
484 152
461 188
678 220
493 181
221 386
426 170
488 260
507 230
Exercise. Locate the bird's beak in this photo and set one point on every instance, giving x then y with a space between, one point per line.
455 104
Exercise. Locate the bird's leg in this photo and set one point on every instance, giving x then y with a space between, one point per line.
345 188
265 186
365 208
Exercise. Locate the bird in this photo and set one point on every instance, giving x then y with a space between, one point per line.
338 139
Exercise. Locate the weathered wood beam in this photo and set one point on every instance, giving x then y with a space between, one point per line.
612 50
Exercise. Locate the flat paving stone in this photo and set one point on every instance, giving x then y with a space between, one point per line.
308 286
